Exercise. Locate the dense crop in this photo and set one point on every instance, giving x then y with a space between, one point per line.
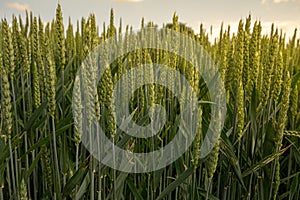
257 155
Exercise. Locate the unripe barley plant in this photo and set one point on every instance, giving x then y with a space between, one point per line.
48 79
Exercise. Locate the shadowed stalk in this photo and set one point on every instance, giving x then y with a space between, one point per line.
25 134
12 168
58 186
17 132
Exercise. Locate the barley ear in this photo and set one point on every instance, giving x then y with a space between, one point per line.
240 111
23 193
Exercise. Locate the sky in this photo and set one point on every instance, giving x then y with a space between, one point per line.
284 13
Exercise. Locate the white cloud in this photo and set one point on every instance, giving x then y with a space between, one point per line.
18 6
279 1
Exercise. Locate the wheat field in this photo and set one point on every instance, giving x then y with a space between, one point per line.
256 156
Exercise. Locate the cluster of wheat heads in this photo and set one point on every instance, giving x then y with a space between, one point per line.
257 156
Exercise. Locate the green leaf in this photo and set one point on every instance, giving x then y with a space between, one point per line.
34 117
176 183
83 187
120 182
134 190
33 165
5 151
203 193
47 139
264 162
294 187
76 179
228 150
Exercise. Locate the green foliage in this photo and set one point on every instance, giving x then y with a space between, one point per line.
40 143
